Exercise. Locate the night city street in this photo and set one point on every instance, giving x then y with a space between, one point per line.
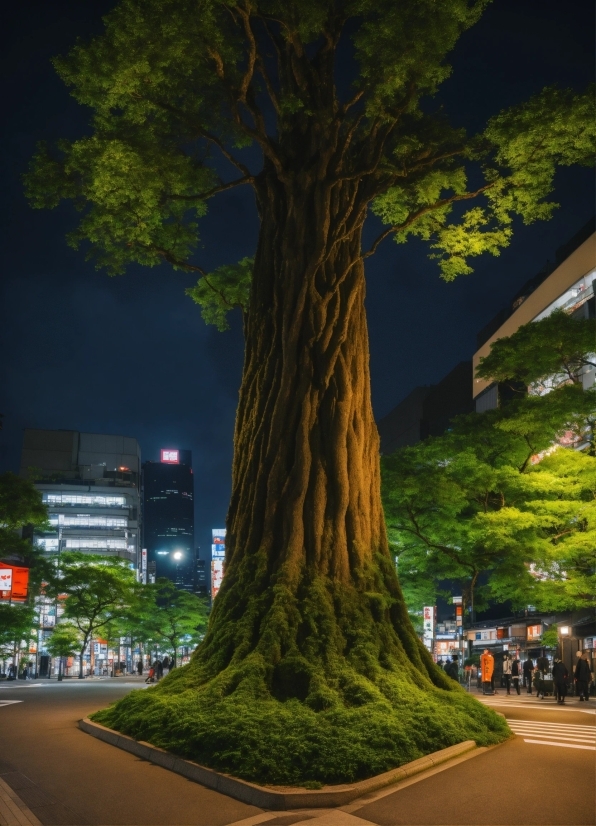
74 779
298 413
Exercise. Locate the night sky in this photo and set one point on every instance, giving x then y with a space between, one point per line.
131 355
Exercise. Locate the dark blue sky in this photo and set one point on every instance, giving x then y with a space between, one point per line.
132 355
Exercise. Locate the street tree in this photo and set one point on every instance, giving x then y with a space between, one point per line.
497 506
94 590
65 641
176 617
310 610
16 630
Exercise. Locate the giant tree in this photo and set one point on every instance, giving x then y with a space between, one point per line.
310 617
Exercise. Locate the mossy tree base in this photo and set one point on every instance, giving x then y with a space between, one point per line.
335 687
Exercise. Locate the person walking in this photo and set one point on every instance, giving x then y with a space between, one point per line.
452 669
528 669
487 665
151 675
560 675
507 672
516 674
140 668
583 677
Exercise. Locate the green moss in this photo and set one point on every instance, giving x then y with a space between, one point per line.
302 683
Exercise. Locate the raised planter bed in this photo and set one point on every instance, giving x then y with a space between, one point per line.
276 798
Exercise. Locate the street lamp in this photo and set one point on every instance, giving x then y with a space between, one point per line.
564 631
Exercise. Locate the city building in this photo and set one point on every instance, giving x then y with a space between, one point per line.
566 285
168 518
427 410
90 483
201 580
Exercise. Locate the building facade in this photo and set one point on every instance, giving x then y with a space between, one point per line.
168 518
90 483
569 286
427 410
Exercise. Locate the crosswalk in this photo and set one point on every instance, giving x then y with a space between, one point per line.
555 734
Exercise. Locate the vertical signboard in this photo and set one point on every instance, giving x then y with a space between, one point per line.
428 627
218 554
144 566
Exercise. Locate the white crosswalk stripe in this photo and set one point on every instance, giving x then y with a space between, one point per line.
9 702
555 734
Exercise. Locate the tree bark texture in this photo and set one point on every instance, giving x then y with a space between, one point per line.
309 578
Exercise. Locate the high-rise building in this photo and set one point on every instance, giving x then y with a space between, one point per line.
168 517
90 483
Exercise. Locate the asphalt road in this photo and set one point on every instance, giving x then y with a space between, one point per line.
546 775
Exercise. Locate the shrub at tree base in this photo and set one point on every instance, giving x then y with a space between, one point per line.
368 705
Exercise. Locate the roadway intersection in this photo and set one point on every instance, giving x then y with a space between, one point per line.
543 776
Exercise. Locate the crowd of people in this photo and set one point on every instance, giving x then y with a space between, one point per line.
538 676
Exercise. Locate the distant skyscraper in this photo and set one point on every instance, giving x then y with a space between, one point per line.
168 517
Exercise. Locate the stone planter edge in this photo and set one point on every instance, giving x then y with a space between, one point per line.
268 797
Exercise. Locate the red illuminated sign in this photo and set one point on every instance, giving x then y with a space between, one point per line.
14 582
170 456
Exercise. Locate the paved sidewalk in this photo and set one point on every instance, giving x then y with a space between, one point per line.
13 810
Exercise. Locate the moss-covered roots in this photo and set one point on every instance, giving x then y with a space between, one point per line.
293 685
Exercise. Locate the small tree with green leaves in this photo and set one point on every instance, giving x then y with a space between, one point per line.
66 641
97 590
178 618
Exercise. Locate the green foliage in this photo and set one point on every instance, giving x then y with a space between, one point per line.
170 82
550 352
168 617
472 502
16 628
222 290
20 503
550 637
65 641
98 591
325 694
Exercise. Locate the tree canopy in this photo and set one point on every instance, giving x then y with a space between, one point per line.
177 87
497 498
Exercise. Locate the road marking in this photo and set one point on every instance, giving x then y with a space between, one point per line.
9 702
561 745
555 734
546 707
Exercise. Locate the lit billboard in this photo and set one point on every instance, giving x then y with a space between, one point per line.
218 554
14 582
170 457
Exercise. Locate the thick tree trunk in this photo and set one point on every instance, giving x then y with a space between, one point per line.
308 571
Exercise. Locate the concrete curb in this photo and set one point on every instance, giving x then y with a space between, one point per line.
267 797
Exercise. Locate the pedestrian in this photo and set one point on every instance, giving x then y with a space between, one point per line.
515 674
543 664
166 664
159 669
560 675
452 669
583 677
151 676
487 666
528 668
507 672
140 668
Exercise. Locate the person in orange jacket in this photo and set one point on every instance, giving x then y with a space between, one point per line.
487 665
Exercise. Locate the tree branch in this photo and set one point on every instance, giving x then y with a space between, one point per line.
413 218
200 196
